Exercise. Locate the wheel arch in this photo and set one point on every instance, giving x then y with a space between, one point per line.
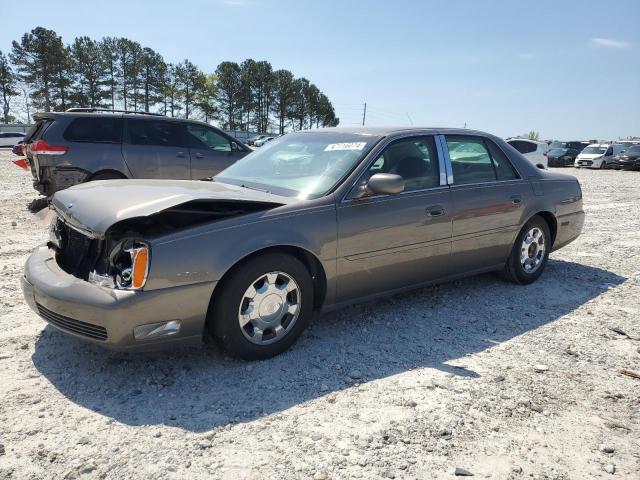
551 220
110 171
308 259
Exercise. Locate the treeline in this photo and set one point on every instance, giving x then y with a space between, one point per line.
118 73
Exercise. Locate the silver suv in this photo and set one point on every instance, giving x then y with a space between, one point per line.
80 145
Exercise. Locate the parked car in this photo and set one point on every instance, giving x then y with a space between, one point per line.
598 155
82 145
563 154
534 151
9 139
262 141
252 141
629 159
252 255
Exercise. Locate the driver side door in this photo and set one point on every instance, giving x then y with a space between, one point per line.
387 242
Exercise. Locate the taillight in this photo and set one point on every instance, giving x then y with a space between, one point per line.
40 147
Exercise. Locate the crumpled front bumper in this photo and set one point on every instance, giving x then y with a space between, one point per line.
107 316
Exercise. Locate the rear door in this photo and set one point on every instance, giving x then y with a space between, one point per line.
156 148
488 197
210 151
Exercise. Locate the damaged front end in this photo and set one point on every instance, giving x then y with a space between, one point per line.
121 257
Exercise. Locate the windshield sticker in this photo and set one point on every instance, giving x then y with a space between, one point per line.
332 147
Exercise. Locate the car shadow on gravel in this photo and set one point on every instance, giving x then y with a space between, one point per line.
201 389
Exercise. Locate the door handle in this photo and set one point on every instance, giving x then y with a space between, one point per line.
180 154
199 155
435 211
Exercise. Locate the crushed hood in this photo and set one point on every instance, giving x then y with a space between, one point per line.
96 206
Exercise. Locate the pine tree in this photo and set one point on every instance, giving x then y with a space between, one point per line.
91 71
8 87
229 91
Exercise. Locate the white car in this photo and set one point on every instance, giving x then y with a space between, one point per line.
534 151
598 155
9 139
262 141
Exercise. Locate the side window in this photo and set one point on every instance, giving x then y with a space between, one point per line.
414 159
160 133
94 130
504 168
609 152
199 136
470 160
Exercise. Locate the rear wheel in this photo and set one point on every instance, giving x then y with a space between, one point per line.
530 252
263 306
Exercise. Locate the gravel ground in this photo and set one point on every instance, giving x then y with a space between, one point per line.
478 376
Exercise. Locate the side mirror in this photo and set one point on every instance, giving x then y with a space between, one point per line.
384 184
235 147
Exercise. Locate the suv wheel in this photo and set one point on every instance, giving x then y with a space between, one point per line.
263 307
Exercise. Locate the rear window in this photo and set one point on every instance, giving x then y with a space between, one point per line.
523 146
94 130
37 130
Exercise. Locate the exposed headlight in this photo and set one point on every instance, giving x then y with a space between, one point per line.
128 267
133 266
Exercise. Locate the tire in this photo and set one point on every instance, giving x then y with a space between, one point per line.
514 269
603 165
107 176
232 304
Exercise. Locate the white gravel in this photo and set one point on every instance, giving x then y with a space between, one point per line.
478 376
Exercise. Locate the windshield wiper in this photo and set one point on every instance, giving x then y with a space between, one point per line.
254 188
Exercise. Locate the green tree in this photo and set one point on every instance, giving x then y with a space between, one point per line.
532 135
129 71
152 73
205 99
92 72
229 93
171 91
283 95
109 54
38 58
192 81
8 87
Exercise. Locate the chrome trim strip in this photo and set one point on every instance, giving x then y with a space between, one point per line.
441 162
447 158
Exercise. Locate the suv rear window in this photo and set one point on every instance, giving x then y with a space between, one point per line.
94 130
523 146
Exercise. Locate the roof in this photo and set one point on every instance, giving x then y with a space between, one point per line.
391 130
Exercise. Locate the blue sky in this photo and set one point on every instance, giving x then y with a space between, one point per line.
568 69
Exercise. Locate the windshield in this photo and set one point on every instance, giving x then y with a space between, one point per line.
558 144
594 150
557 152
302 164
635 149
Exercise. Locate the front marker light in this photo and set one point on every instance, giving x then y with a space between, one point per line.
139 266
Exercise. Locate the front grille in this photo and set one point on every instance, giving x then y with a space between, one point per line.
71 325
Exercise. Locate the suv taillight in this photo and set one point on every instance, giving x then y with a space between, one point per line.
40 147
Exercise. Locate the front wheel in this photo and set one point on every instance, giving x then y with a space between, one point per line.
263 307
530 252
603 165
